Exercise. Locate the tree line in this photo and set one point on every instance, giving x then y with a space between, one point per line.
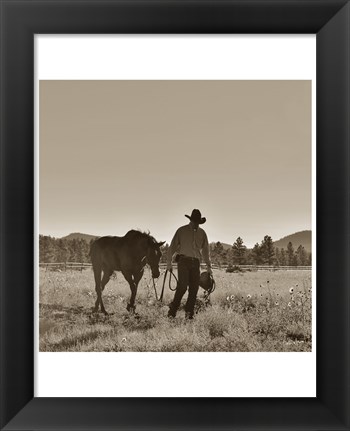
63 250
264 253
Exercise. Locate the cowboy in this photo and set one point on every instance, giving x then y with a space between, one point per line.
190 242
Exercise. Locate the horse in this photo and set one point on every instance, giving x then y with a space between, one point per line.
128 254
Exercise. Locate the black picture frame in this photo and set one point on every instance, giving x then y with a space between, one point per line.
20 21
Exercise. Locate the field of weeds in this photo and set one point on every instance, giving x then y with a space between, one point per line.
259 311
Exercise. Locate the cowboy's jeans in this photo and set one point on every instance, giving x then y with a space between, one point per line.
188 276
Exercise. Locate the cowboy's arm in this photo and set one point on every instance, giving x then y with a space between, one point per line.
172 249
205 253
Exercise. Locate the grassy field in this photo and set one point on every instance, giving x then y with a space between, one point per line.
252 311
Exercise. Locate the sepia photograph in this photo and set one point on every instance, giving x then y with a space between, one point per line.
174 204
175 216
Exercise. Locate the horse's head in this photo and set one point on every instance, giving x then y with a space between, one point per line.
153 257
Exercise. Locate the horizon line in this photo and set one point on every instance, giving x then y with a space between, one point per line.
211 242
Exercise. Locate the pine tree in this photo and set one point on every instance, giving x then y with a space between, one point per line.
217 252
239 251
301 255
62 250
290 254
267 250
283 257
277 256
256 254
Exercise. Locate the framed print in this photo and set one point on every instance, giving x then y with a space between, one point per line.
150 126
179 85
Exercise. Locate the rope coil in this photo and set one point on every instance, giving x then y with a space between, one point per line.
171 288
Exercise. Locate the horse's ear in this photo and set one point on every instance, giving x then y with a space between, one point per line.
161 243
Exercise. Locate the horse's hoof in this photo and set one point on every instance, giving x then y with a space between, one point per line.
131 308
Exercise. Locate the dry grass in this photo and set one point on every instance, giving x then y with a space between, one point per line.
253 311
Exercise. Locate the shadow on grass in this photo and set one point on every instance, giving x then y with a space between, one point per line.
86 338
58 309
60 313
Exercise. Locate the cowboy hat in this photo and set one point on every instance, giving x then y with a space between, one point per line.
196 217
206 281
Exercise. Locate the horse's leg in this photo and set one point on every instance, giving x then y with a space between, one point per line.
97 274
137 278
105 279
129 277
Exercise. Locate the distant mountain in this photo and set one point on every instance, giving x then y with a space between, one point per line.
78 235
299 238
226 246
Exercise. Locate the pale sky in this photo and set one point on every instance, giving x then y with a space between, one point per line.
117 155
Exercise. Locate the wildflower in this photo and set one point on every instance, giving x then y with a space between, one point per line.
291 290
249 296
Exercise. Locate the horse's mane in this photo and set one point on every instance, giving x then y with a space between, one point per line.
134 235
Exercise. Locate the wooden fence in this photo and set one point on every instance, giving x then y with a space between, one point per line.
79 266
63 266
252 267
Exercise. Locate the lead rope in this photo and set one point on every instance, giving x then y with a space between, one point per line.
171 288
207 293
